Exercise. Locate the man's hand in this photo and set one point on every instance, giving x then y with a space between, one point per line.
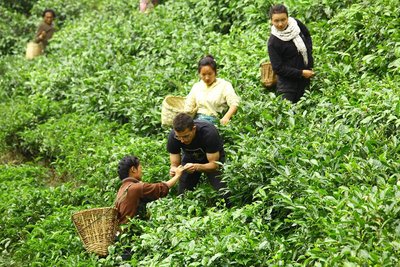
178 173
191 167
172 171
175 160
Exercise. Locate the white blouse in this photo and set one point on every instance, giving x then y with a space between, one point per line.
211 100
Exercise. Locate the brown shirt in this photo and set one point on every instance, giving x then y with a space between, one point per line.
132 192
49 29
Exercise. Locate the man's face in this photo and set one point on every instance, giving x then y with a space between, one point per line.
48 18
186 136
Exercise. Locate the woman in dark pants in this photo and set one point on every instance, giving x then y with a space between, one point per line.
290 53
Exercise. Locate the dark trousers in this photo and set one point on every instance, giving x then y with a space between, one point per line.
293 97
188 181
292 90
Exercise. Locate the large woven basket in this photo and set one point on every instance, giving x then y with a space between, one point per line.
268 77
97 228
33 50
171 106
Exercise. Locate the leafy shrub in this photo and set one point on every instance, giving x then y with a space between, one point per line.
314 183
367 41
17 116
23 6
66 10
193 242
15 30
317 10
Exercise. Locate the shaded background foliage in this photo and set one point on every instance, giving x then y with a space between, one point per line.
313 184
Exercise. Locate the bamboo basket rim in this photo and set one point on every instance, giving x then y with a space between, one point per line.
96 228
268 76
171 106
175 103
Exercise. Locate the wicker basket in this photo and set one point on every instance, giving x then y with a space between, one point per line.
97 228
33 50
171 106
268 77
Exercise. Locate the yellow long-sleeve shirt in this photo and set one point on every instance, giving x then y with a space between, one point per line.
211 100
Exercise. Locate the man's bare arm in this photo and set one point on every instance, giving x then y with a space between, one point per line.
175 161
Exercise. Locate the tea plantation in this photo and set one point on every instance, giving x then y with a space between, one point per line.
313 184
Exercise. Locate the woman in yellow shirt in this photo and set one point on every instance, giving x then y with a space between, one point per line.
211 95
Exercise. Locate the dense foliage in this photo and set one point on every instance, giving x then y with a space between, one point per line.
316 183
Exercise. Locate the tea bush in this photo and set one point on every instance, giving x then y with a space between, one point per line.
15 29
23 6
314 183
368 40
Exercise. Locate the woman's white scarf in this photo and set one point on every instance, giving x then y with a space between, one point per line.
292 32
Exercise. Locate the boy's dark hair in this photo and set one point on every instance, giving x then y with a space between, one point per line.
207 61
277 9
182 121
125 164
49 10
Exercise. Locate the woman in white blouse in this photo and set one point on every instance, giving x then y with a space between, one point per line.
211 95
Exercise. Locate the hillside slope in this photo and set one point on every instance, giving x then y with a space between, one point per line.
316 183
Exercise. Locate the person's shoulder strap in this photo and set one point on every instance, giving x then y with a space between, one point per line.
125 193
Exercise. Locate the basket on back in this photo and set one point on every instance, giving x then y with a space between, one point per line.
171 106
97 228
268 77
33 50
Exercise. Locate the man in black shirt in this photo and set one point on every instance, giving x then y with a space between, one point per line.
198 147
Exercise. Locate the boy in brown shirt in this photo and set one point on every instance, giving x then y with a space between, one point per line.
133 194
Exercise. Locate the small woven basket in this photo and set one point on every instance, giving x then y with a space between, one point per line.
171 106
97 228
268 76
33 50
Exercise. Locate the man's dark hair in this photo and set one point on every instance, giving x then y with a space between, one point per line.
207 61
183 121
49 10
277 9
125 164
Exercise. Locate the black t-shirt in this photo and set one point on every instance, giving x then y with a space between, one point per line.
206 140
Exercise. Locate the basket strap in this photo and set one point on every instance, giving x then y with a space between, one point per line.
123 196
